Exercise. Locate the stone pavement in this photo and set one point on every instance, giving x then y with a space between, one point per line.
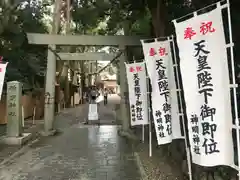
79 152
65 119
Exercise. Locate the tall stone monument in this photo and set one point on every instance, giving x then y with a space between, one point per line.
15 135
14 112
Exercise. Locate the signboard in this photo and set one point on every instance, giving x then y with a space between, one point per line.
205 76
3 68
93 112
164 94
137 85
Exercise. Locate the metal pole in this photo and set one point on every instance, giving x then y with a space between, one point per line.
234 83
50 75
149 113
181 111
149 117
143 133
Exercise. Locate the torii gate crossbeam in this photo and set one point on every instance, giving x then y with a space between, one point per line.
87 56
84 40
52 40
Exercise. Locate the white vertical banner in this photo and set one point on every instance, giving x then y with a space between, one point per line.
205 76
159 65
137 85
173 94
3 68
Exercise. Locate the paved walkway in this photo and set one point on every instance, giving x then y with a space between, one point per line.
107 112
78 153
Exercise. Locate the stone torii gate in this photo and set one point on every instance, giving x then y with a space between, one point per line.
87 56
51 40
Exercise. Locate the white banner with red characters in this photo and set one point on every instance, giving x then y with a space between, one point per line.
159 65
3 68
137 85
205 76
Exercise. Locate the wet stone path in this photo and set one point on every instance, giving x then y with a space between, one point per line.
79 153
91 153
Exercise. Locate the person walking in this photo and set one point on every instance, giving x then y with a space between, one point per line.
105 96
93 94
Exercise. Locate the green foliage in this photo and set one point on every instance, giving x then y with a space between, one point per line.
88 14
27 63
142 26
130 12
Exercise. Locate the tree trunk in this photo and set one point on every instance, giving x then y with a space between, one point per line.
159 14
55 28
96 70
82 80
89 72
67 84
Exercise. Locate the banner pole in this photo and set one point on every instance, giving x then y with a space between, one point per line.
181 114
149 117
149 114
234 83
143 133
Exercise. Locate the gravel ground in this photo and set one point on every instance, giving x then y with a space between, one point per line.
160 166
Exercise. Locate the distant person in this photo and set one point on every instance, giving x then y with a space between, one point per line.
86 95
94 94
105 96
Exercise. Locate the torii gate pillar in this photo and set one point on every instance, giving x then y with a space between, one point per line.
125 115
49 107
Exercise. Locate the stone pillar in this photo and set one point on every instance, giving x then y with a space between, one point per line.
125 117
14 109
49 106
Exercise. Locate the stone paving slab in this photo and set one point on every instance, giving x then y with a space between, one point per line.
90 153
64 119
7 150
80 152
